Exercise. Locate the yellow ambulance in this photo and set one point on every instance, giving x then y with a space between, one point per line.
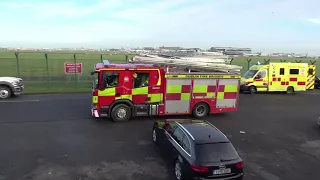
287 77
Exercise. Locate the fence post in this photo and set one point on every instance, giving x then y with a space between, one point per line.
127 59
231 61
101 58
47 67
248 61
313 62
18 63
266 61
75 70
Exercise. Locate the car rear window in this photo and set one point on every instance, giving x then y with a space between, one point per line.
215 152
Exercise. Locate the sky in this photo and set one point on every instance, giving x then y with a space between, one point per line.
271 25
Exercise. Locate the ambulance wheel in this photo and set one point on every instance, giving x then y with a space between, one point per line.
200 110
252 89
290 90
121 112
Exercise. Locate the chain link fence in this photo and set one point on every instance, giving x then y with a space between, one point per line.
45 72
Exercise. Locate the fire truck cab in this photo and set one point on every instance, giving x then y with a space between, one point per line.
122 91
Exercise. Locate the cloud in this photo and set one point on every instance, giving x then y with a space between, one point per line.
314 20
201 23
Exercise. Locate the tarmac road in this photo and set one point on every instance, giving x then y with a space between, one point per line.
53 137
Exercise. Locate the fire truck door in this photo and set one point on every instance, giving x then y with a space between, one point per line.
147 87
140 87
125 81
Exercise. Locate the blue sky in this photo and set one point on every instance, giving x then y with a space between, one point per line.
274 25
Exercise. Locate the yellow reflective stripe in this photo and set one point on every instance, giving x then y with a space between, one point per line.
201 76
231 88
94 99
112 69
142 90
155 97
211 95
220 95
174 89
185 96
126 96
107 92
200 88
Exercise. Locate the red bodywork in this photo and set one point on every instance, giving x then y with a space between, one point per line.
125 88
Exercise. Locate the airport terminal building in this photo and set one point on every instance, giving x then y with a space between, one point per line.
231 50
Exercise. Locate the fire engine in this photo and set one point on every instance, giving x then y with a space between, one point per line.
155 86
285 76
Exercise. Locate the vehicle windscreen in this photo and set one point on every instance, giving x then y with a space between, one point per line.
250 74
216 152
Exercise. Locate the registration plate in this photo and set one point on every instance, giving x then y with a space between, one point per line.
222 171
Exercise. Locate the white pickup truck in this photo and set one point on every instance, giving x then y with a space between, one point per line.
10 86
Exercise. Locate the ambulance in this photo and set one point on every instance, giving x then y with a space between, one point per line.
272 77
123 91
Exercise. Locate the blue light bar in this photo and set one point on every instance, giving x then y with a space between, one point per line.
106 62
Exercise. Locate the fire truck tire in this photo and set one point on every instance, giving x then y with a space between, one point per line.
290 90
121 112
252 89
200 110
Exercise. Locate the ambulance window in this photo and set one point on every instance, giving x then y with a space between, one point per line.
310 72
294 71
141 80
262 74
110 79
281 71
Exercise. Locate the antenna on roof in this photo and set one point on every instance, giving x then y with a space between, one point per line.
209 136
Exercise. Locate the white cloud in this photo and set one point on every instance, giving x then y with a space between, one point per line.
314 20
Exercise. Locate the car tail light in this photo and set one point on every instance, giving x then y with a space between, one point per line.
200 169
239 165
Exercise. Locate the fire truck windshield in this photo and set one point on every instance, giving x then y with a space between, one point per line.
95 83
110 79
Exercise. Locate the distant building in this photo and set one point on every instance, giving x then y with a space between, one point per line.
231 50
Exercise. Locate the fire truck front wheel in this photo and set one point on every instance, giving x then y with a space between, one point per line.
200 110
121 112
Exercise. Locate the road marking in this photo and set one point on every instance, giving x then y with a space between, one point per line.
19 101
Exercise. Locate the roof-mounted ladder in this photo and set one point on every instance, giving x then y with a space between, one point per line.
189 64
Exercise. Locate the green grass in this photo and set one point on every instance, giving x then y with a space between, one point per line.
41 77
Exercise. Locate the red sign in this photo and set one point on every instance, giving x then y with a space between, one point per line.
72 68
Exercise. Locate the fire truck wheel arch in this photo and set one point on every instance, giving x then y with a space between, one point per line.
122 101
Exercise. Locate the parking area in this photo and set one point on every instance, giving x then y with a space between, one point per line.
54 137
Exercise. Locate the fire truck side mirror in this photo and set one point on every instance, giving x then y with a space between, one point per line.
92 73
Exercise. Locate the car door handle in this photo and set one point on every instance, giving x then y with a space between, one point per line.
117 94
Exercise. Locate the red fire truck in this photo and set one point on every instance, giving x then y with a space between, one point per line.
122 91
